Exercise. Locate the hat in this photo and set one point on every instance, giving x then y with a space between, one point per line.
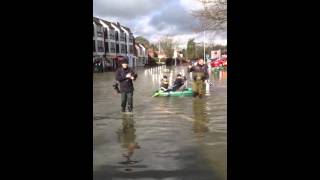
124 61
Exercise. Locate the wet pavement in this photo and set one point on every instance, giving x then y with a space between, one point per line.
168 138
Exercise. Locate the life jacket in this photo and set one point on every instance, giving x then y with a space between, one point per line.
165 83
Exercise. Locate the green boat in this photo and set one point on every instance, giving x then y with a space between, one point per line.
185 92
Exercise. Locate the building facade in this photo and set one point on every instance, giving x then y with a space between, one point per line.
141 53
111 40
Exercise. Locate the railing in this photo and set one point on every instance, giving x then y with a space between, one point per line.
99 34
100 49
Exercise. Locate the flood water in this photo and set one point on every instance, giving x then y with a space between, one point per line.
169 138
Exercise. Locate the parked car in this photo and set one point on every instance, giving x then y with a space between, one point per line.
225 63
218 62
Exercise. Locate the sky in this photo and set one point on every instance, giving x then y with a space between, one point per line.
155 19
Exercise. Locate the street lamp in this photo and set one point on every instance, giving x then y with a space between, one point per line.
159 52
204 50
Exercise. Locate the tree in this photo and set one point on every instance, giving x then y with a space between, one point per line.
184 53
154 47
213 15
191 49
167 46
219 46
143 41
199 50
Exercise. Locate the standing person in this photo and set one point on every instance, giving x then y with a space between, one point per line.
200 74
125 76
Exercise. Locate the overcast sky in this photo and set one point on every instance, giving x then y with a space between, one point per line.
154 19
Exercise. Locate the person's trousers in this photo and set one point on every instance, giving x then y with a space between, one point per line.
198 87
127 97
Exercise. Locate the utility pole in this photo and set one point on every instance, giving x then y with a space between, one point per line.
204 48
159 52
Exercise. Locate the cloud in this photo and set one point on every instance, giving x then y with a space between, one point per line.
125 8
154 19
175 20
191 5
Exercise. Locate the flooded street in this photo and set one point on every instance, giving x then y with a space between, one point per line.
168 138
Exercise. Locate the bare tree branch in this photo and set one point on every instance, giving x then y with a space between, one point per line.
213 16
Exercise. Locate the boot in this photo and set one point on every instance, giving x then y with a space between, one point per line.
195 94
123 109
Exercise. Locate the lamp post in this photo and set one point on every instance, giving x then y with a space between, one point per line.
159 52
204 49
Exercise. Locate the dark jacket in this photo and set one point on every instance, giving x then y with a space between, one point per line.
177 83
200 71
126 84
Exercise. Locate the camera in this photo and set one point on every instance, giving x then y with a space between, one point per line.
116 87
134 75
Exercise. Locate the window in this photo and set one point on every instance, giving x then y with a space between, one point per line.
117 36
122 36
112 47
100 46
99 28
106 33
93 30
99 31
123 48
131 49
117 48
112 36
106 45
130 38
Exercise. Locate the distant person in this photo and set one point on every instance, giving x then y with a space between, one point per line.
178 83
164 83
200 74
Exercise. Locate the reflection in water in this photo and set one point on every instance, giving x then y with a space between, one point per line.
180 137
127 137
224 75
156 73
216 75
219 76
200 124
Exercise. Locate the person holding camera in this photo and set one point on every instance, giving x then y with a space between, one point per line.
125 76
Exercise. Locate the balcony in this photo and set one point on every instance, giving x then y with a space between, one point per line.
100 49
100 34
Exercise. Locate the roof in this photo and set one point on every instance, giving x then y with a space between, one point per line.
107 23
128 29
118 26
96 20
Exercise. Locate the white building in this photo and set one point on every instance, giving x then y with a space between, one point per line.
117 41
98 39
142 55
